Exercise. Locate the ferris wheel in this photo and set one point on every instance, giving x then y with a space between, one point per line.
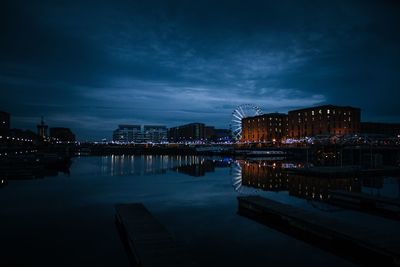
240 112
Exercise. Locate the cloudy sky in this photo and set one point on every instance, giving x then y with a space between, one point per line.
91 65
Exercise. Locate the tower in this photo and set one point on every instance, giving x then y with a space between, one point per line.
42 129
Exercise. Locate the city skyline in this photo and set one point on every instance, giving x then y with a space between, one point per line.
91 66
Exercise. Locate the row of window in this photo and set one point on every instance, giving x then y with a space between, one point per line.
328 111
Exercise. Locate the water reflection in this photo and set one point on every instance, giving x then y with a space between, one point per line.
276 177
270 176
201 212
28 167
158 164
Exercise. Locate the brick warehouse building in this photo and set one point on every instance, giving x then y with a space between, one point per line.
324 120
269 127
187 132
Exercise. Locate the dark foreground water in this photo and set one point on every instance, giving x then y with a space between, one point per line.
68 220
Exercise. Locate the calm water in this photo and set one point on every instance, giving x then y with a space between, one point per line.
68 220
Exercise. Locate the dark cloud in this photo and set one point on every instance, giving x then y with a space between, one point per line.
90 65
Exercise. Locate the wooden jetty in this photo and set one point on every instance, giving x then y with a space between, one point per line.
347 240
148 243
384 206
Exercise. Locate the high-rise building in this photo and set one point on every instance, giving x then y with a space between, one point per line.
154 133
138 134
4 121
187 133
271 127
324 120
128 133
62 134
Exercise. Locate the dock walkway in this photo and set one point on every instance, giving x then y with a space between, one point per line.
388 207
337 234
148 241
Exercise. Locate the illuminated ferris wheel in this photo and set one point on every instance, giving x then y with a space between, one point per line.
240 112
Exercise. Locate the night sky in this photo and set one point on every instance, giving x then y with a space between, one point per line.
91 65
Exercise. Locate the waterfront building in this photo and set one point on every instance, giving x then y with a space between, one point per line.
42 130
128 133
4 121
217 135
222 135
21 136
384 129
154 133
271 127
62 134
324 120
137 134
187 133
209 132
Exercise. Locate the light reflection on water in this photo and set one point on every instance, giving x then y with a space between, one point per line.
151 164
71 217
276 177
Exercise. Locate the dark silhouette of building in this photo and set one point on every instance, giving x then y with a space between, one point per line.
62 134
221 135
271 127
4 121
386 129
209 132
187 132
324 120
18 135
216 135
42 130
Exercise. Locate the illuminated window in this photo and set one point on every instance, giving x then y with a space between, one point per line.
320 111
328 111
312 113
